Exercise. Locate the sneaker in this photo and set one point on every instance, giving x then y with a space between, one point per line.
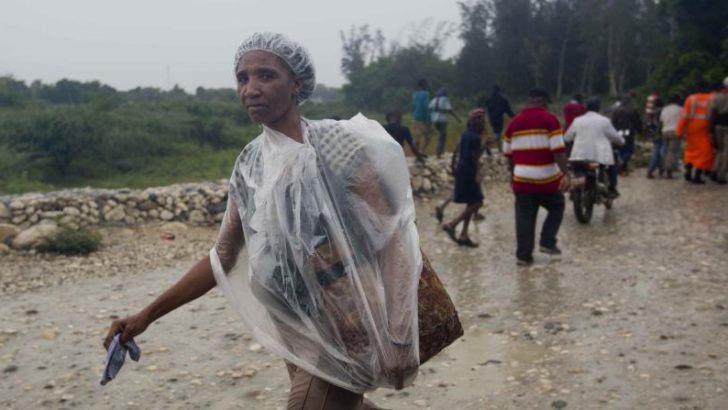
551 251
524 262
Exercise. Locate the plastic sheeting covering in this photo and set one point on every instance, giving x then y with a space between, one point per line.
333 252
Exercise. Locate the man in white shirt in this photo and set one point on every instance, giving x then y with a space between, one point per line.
440 107
593 135
669 117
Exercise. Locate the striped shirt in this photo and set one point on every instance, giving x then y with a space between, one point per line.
531 139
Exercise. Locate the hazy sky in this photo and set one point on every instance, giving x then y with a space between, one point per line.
132 42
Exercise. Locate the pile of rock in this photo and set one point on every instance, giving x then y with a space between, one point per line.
433 176
26 220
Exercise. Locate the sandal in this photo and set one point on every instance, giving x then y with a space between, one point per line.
467 242
451 233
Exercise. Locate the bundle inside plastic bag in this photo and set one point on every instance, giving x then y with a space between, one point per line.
333 264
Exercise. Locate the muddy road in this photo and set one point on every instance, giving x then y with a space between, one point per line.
634 315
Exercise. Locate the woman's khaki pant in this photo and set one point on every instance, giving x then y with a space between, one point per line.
671 145
309 392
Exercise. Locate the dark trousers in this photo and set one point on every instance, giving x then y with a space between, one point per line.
526 212
442 136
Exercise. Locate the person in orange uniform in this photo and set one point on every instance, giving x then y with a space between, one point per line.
694 126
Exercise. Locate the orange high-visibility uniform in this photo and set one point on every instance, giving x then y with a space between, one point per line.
695 127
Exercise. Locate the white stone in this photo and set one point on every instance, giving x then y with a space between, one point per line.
426 185
69 210
116 214
52 214
8 231
4 249
5 212
166 215
35 235
416 183
197 217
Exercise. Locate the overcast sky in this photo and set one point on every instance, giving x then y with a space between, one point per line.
131 43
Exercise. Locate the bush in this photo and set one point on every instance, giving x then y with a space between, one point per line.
72 242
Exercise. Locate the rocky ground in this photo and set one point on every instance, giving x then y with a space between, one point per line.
634 315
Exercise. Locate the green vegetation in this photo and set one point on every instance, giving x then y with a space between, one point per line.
74 134
72 242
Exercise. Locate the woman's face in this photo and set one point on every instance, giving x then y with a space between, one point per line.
266 86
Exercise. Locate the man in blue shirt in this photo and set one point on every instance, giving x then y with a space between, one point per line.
422 126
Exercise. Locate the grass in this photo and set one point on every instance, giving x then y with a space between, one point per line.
189 165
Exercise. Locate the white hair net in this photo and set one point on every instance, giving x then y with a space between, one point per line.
292 53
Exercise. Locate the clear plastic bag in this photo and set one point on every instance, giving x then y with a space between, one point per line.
333 261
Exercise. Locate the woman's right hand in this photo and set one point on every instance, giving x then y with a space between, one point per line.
129 327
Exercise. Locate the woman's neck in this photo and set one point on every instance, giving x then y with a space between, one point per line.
290 125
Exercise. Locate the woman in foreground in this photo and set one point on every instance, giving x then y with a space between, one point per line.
325 211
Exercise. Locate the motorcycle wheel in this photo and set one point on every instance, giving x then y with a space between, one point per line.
583 205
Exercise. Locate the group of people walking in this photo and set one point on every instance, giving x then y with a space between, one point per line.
702 122
533 143
543 155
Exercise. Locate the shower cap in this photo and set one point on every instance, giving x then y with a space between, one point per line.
294 54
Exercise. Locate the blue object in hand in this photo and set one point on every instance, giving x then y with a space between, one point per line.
116 355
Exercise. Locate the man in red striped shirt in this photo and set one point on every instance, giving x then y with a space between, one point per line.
535 146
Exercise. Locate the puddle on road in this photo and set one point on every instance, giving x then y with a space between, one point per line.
490 359
477 365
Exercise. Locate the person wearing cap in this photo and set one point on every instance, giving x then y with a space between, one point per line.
325 213
593 135
467 185
440 107
719 131
534 144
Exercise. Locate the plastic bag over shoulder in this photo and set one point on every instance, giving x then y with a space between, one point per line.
333 260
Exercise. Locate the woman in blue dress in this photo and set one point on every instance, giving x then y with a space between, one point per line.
467 188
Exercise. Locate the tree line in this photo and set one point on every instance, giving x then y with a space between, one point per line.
76 133
605 47
53 134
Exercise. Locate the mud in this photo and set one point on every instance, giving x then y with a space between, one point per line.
634 315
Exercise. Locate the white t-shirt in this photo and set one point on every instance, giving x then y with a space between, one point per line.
439 107
669 117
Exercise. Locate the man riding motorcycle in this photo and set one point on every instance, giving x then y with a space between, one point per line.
593 135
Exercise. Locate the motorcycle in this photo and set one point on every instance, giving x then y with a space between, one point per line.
589 188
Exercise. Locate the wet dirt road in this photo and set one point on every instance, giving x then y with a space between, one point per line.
634 315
